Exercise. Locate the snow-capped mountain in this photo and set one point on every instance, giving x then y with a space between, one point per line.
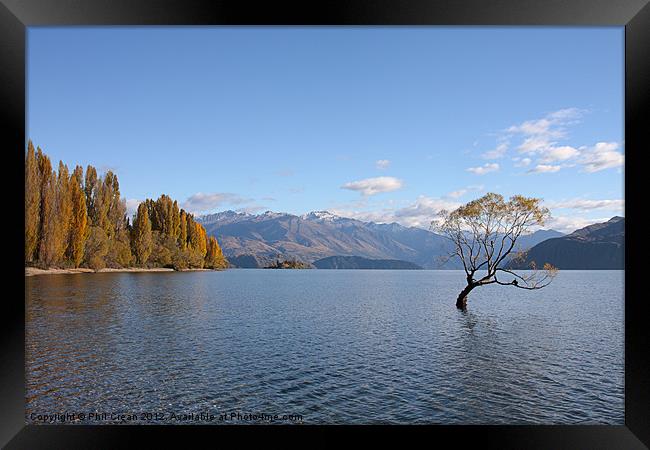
323 216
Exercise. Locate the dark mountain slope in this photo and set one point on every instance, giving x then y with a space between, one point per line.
598 246
357 262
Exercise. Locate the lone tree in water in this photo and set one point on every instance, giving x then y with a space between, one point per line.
484 233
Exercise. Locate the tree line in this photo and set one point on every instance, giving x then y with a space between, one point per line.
79 220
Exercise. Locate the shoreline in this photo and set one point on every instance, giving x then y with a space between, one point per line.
33 271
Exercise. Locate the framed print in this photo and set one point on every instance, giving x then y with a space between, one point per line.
371 217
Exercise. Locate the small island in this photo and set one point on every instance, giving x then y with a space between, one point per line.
292 264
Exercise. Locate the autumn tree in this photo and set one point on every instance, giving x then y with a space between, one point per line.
113 215
214 258
176 220
96 248
484 233
48 244
47 232
79 220
63 213
90 191
32 205
163 250
164 215
182 235
102 202
197 245
141 240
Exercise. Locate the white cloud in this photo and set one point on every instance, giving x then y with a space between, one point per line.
563 153
378 216
536 128
382 164
498 152
522 162
534 145
423 211
540 137
486 168
550 126
372 186
132 207
457 194
566 224
539 140
465 190
603 155
418 214
567 115
545 168
588 205
201 202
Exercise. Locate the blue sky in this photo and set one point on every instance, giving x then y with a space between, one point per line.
380 123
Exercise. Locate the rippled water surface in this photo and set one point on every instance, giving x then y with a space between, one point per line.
331 346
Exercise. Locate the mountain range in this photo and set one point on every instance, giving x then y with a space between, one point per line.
255 240
597 246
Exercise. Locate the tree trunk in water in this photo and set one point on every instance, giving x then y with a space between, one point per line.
461 301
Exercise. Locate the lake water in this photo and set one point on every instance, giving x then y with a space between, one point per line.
331 346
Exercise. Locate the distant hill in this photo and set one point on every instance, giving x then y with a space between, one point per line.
597 246
257 240
357 262
248 261
530 240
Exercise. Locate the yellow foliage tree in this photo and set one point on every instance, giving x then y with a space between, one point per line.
79 222
90 191
63 219
47 232
214 258
141 240
48 246
32 205
182 234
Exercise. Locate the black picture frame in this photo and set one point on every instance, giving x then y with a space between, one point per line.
634 15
